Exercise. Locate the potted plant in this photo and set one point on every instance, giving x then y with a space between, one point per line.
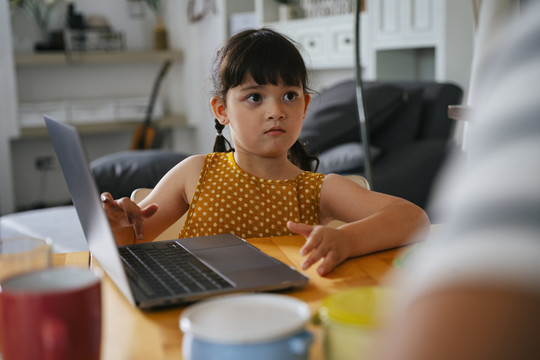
161 41
39 11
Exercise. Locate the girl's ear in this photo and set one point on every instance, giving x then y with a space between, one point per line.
219 110
307 99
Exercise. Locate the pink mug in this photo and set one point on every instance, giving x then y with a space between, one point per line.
51 314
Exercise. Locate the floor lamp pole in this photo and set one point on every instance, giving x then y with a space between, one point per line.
364 128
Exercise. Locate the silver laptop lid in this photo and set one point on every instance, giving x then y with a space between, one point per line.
79 179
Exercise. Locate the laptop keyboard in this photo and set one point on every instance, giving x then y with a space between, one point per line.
169 269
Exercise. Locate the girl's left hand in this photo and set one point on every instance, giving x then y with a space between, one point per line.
322 242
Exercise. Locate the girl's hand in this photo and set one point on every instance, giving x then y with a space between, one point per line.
124 213
322 242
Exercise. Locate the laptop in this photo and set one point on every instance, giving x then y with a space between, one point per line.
149 274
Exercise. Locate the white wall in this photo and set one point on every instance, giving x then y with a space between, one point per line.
7 110
200 41
184 90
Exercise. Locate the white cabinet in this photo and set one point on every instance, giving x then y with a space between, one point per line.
421 39
404 23
400 39
328 41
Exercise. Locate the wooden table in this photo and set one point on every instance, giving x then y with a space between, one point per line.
129 333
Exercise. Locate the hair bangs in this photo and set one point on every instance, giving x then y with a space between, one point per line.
275 64
267 61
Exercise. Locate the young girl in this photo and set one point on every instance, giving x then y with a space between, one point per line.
264 186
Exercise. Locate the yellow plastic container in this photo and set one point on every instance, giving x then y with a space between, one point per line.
350 322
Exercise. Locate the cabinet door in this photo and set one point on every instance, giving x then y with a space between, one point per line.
328 42
404 23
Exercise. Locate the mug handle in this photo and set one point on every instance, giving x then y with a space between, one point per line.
300 343
54 339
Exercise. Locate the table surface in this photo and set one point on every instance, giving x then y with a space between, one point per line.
130 333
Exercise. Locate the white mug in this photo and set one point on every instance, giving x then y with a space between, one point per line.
242 327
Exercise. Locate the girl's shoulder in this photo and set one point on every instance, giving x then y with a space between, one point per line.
189 167
358 179
335 182
331 178
184 175
192 162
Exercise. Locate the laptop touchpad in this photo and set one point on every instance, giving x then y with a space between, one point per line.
233 258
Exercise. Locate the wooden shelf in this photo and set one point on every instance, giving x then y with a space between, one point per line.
123 57
167 122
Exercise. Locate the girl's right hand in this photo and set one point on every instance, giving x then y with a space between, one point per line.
124 212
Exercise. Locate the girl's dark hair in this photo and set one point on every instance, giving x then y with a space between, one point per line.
221 144
268 57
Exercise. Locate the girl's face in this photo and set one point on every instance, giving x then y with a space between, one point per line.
265 120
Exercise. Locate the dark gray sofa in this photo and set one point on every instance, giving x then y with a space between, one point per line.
121 173
409 132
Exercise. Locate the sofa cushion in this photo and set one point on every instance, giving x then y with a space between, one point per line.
437 96
435 120
403 126
121 173
344 158
409 171
332 117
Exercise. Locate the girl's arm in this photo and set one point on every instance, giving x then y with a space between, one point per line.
167 202
373 222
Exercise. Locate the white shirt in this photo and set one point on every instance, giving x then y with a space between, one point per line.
491 197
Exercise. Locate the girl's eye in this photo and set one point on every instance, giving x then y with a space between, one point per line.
290 96
254 98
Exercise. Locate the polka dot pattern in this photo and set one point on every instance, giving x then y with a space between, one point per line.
229 200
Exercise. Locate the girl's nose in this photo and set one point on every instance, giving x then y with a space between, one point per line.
275 111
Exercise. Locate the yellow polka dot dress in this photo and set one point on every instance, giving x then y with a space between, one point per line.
229 200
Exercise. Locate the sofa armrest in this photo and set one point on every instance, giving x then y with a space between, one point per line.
410 171
121 173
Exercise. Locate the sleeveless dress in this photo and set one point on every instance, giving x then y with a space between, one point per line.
229 200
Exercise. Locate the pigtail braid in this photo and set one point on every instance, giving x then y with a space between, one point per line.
221 144
299 156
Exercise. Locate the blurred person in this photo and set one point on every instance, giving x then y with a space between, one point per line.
472 291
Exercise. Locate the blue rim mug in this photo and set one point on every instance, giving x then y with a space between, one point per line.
246 326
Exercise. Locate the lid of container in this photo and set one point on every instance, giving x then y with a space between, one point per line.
248 318
358 306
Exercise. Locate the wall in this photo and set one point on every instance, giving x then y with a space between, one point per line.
7 109
200 42
183 91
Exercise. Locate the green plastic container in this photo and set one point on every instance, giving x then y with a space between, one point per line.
350 322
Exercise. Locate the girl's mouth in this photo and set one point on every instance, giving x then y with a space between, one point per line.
275 131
